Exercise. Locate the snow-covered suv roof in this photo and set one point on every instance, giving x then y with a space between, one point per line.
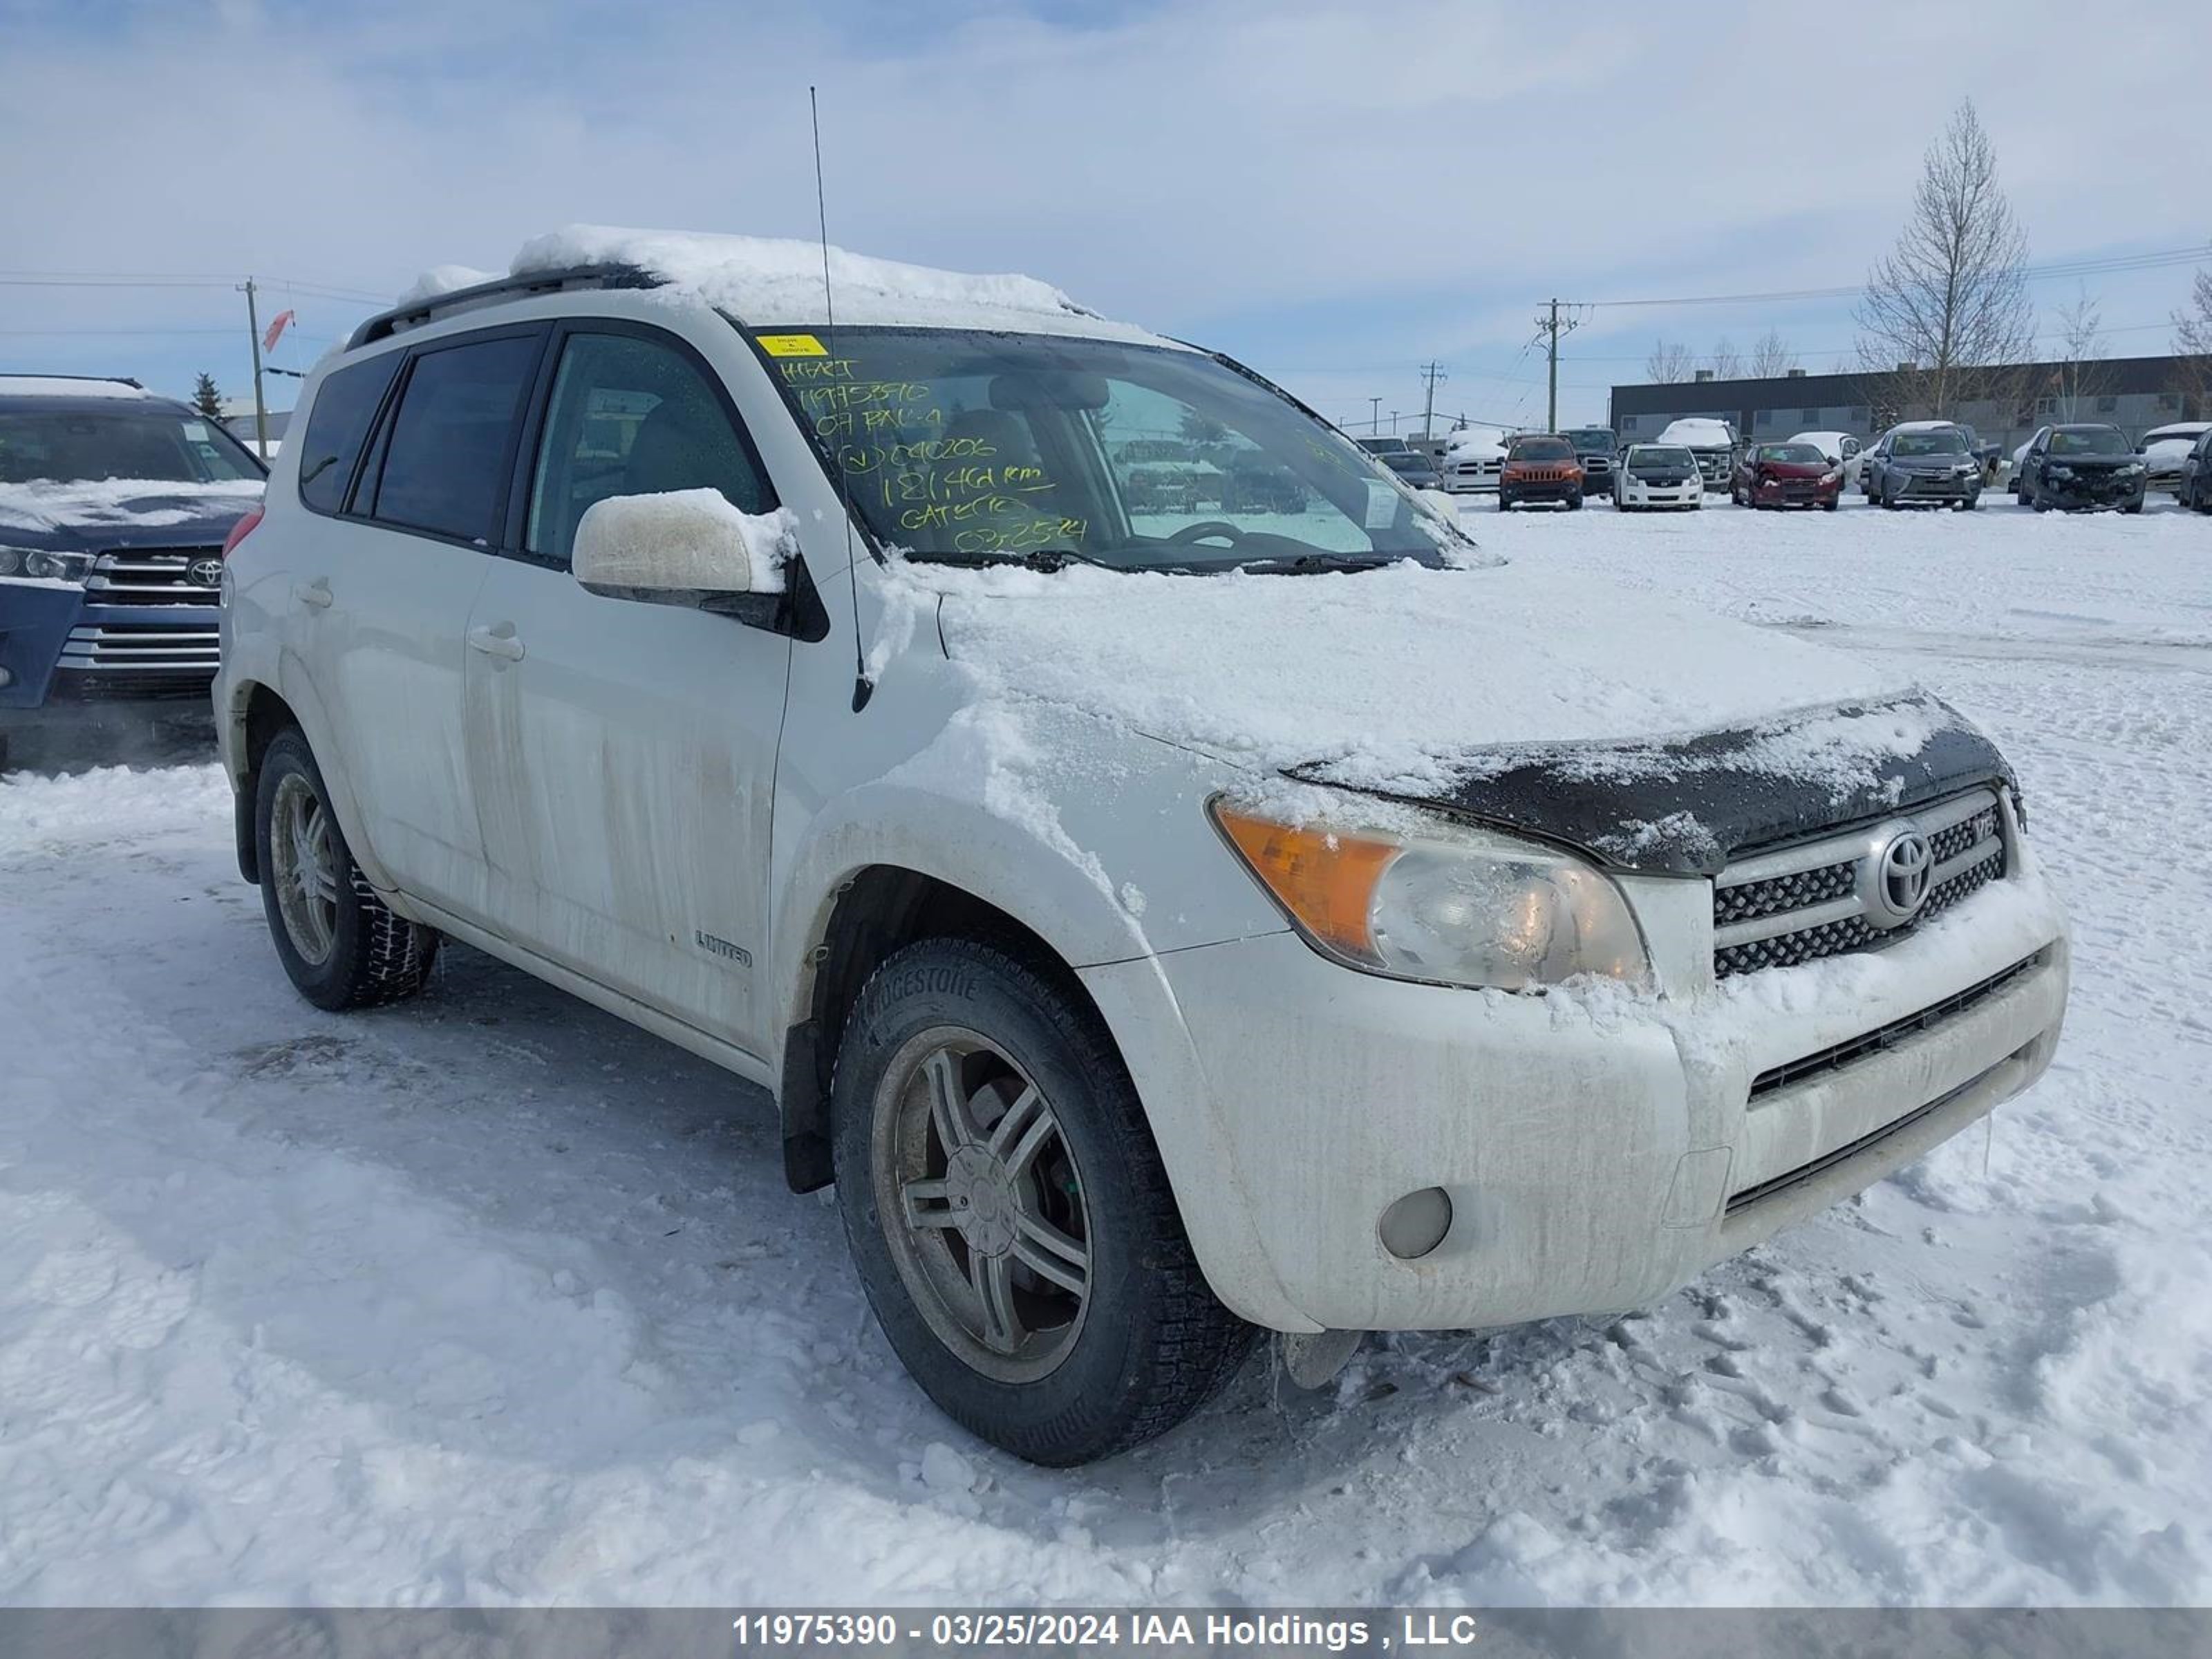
770 279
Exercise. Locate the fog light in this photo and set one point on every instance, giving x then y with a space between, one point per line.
1416 1222
7 679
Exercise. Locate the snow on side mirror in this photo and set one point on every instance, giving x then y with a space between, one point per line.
685 547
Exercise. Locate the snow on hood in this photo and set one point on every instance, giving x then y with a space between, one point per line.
1696 432
107 503
2169 449
1409 681
1475 446
772 280
66 386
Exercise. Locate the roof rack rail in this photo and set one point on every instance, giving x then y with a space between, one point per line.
417 312
45 374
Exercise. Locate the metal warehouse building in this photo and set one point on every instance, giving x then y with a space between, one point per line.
2004 405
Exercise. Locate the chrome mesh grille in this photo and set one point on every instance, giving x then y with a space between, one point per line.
1779 908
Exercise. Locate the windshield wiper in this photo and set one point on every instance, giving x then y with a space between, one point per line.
1049 559
1301 564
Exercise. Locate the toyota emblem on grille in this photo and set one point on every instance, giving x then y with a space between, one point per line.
205 573
1901 872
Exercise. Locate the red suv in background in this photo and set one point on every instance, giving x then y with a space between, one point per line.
1541 467
1786 474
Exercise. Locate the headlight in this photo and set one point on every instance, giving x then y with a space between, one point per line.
1965 469
1833 475
1453 905
43 566
2131 470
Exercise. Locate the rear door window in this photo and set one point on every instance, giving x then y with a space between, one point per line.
444 469
338 426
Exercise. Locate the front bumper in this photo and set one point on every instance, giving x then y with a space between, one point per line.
1541 489
1598 479
2094 492
1596 1158
1796 492
1936 487
1632 491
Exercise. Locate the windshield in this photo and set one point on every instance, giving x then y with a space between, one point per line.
1657 458
1801 453
1595 442
971 447
1543 449
1950 441
2088 440
71 446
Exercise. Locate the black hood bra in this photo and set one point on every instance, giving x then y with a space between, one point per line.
1687 806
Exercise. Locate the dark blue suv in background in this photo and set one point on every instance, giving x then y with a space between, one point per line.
114 507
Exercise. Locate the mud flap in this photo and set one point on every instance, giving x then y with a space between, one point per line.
1313 1358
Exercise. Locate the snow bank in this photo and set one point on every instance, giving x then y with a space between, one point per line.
766 279
63 386
45 504
1399 679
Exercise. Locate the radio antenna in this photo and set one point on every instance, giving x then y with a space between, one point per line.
863 688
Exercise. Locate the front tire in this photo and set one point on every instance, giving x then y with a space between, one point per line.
1008 1213
341 946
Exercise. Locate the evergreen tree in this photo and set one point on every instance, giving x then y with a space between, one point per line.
206 399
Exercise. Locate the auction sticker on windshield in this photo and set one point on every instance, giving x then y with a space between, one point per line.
792 345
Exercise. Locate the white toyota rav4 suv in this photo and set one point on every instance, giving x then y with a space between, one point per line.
1171 881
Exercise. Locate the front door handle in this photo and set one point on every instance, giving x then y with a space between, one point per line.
316 593
497 640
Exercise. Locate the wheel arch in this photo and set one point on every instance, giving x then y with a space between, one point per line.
865 917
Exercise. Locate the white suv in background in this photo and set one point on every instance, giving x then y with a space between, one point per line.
1170 881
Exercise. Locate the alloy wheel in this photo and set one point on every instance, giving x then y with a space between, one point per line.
982 1204
303 853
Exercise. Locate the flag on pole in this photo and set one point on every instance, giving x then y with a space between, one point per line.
281 321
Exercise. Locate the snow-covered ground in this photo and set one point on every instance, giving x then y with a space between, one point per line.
491 1298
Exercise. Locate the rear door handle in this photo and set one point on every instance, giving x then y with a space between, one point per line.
497 640
316 593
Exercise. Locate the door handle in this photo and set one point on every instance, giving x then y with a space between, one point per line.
316 593
498 641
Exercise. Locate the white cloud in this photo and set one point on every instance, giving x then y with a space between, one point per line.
1217 165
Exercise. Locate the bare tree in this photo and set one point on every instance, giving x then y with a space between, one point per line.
1726 366
1772 355
1670 362
2192 345
2081 373
1950 297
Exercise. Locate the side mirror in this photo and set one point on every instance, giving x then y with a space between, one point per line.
685 547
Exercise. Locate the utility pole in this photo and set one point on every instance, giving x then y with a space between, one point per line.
1549 328
1374 415
260 408
1431 373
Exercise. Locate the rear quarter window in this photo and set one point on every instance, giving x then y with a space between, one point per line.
338 426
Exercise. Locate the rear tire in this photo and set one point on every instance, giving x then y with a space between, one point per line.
342 947
984 1123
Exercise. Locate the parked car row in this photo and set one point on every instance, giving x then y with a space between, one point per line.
1915 464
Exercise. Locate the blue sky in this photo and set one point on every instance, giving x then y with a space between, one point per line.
1333 193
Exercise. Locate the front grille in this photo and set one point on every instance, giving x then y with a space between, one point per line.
156 649
1882 1037
151 575
1823 898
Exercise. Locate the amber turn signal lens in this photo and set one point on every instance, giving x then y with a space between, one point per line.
1325 878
